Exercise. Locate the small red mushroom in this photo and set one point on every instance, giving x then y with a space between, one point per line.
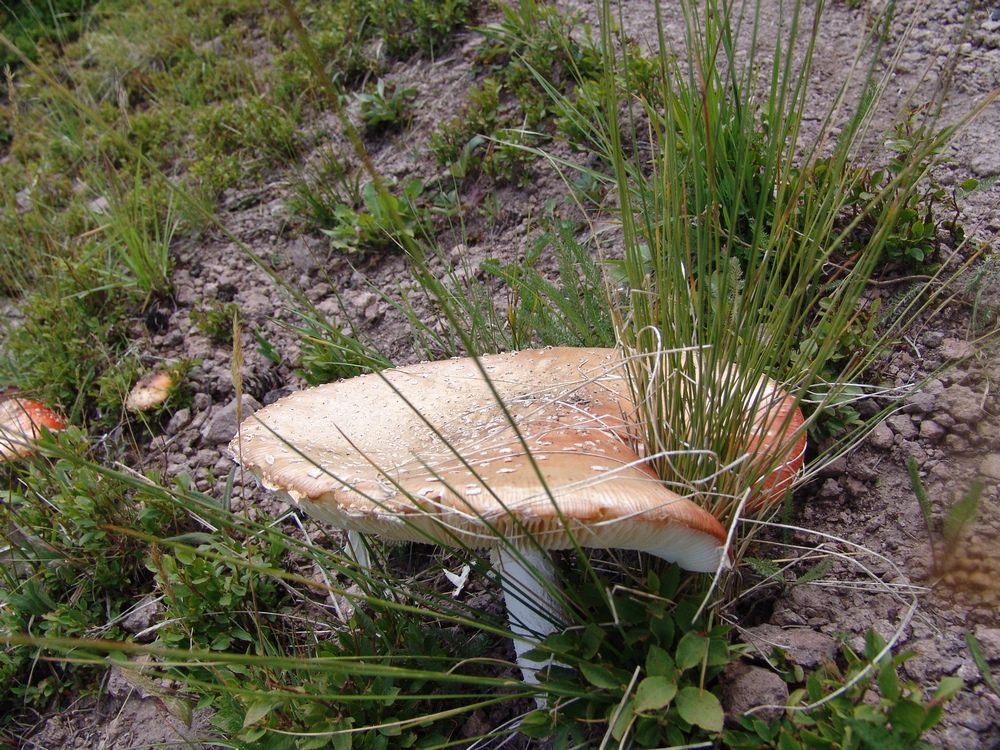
21 422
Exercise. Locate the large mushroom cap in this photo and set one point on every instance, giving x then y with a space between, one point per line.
426 453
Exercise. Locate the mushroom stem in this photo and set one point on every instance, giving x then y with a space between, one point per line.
528 577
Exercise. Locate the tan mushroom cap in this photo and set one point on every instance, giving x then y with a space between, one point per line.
359 455
21 422
424 453
152 390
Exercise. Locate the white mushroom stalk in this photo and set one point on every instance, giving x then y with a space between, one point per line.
428 453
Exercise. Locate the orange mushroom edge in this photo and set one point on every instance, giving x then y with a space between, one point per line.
21 423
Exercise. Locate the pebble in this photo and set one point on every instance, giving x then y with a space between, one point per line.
222 426
989 643
804 646
990 467
902 425
881 436
745 687
962 403
955 349
931 430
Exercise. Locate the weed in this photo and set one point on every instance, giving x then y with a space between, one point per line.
976 651
668 699
536 44
333 182
408 26
215 320
65 340
65 530
452 145
575 313
834 705
384 224
237 137
140 230
387 108
956 520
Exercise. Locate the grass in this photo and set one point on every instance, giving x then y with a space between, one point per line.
746 254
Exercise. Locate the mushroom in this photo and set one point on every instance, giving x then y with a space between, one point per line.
21 423
520 453
152 390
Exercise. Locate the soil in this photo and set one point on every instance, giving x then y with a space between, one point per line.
950 427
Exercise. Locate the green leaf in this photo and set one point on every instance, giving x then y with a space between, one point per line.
257 711
888 682
654 693
948 688
819 570
907 718
537 724
718 652
624 720
701 708
691 650
787 742
961 515
659 663
663 628
981 663
601 677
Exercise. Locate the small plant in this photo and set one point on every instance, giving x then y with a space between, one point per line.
140 230
387 108
425 25
240 137
537 50
332 182
842 708
453 145
215 320
63 528
384 221
67 338
956 520
976 651
575 313
670 699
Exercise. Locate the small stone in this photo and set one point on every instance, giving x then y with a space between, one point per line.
785 617
302 256
902 425
962 403
932 339
835 468
923 401
804 646
222 426
955 349
989 642
990 467
745 687
830 490
178 421
956 444
931 430
140 619
881 436
278 393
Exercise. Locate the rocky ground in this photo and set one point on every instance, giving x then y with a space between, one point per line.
950 427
